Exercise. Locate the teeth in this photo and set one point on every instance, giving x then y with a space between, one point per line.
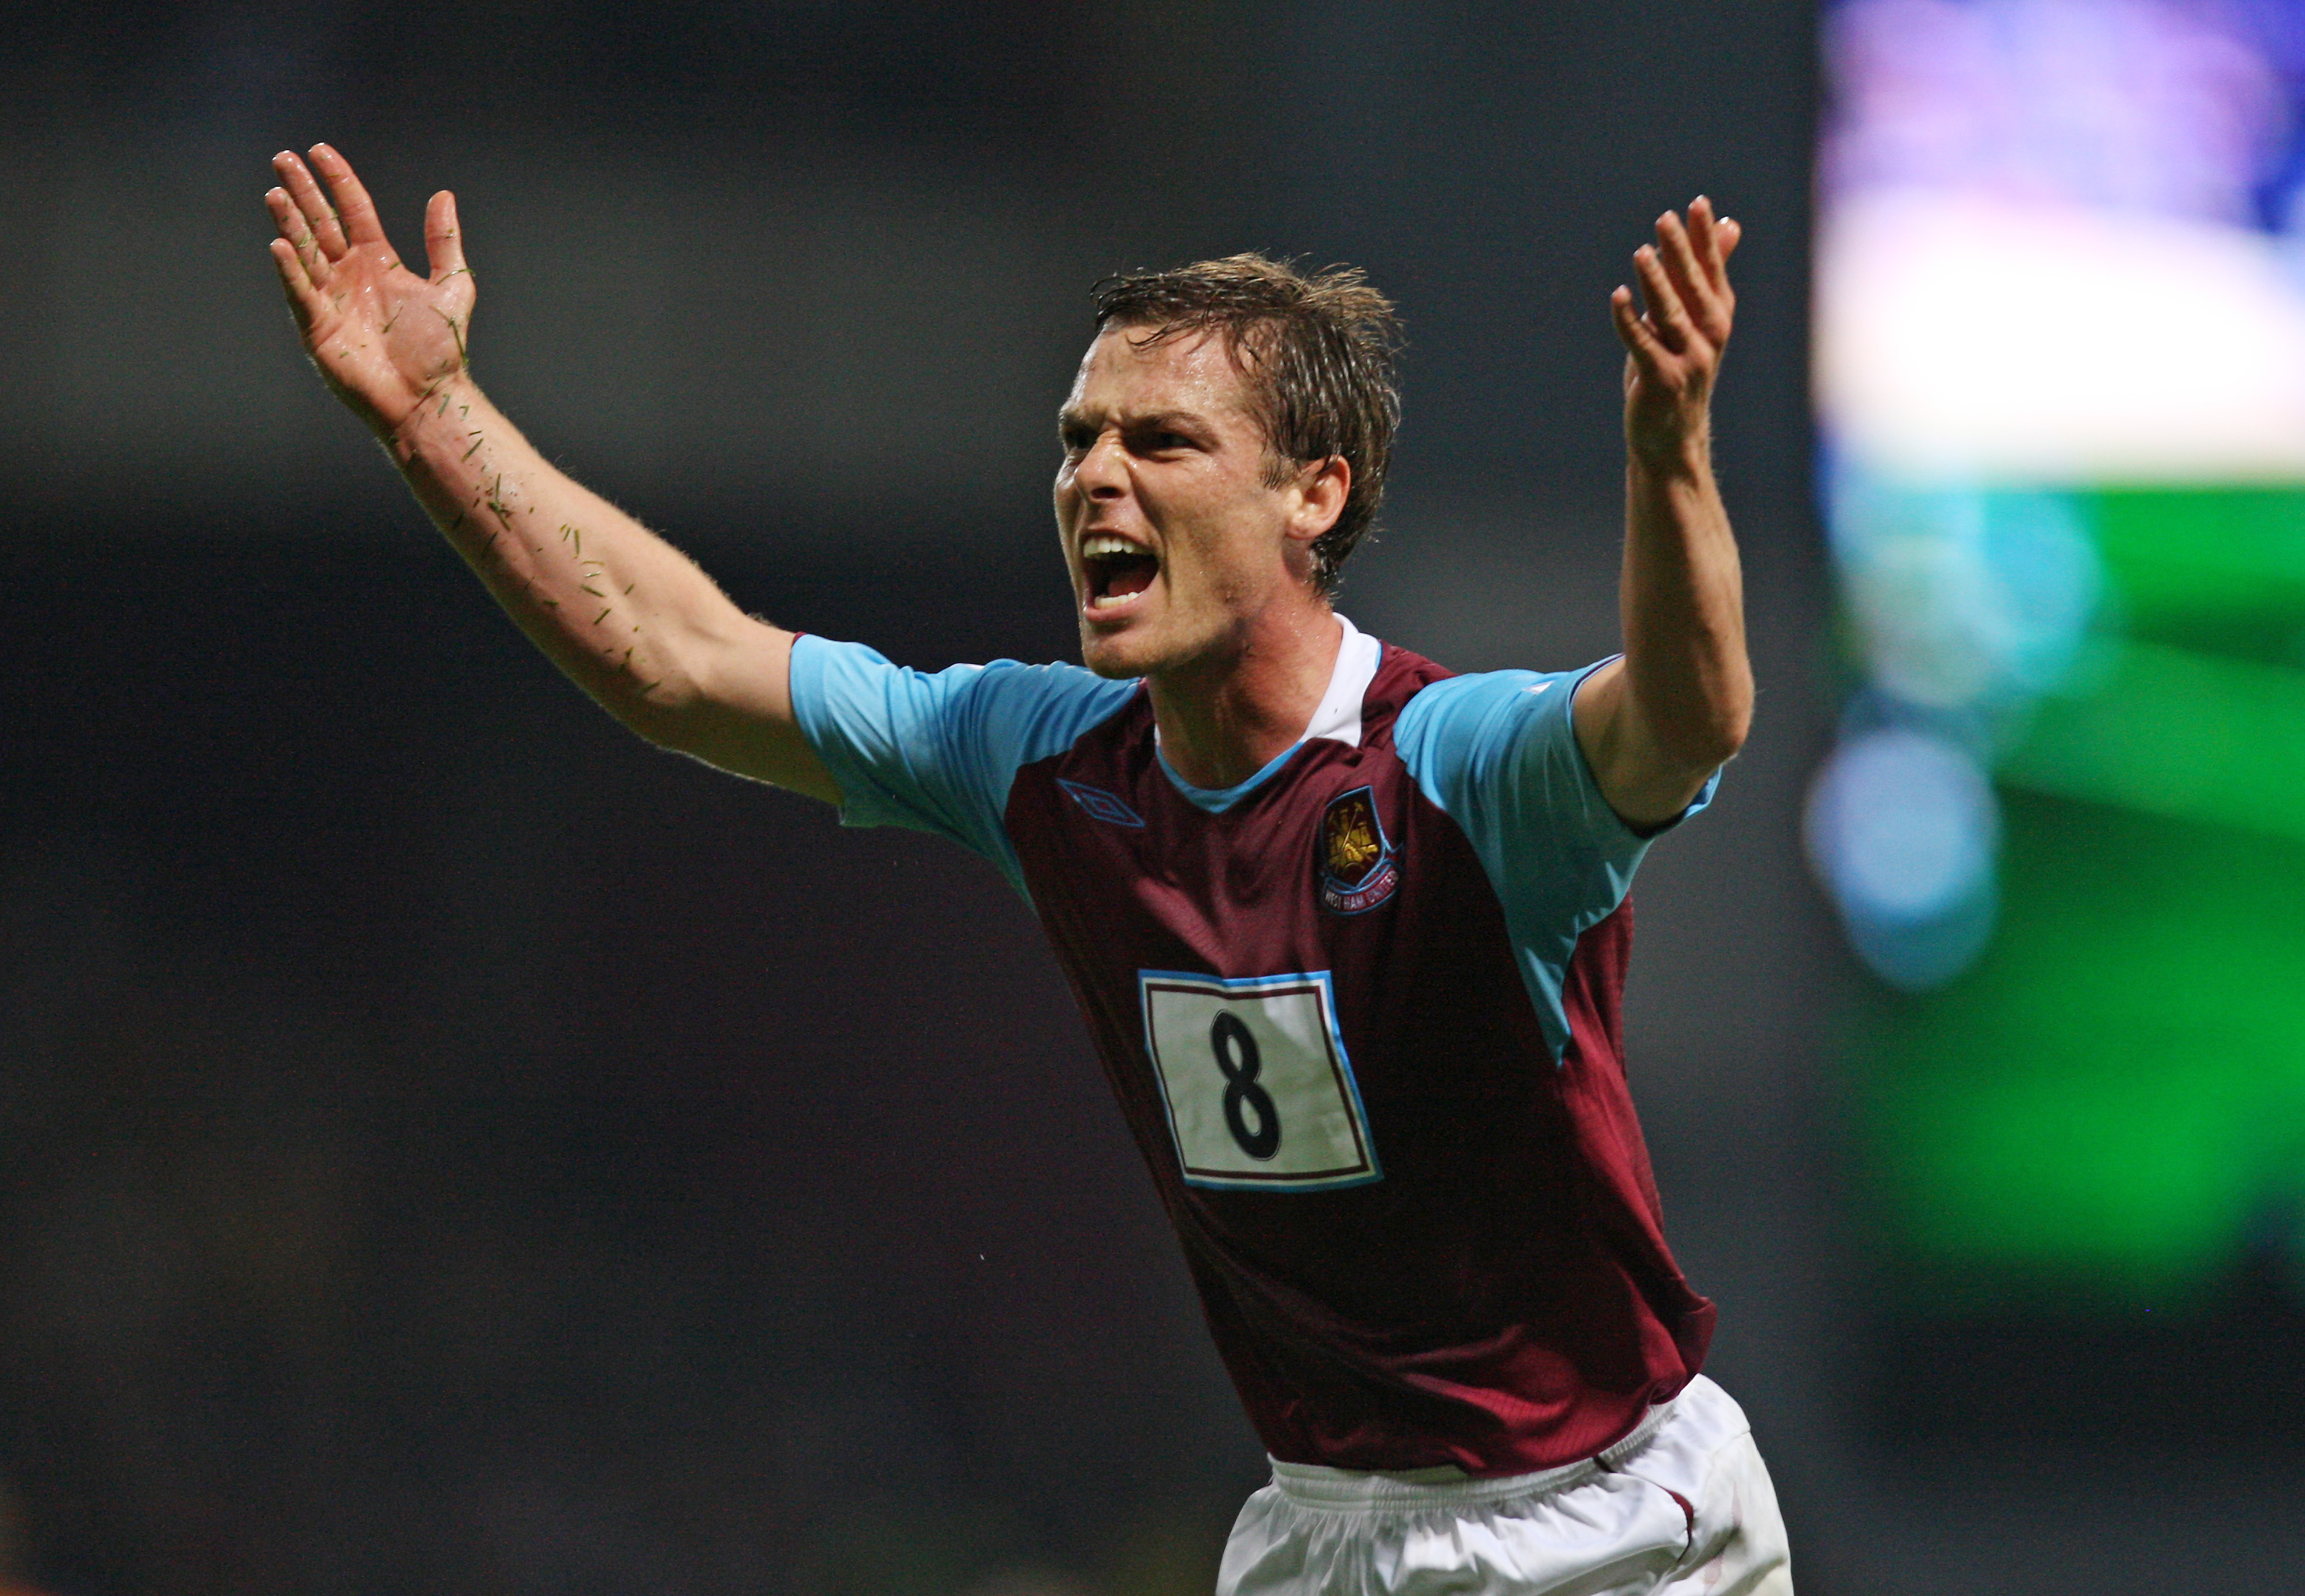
1105 543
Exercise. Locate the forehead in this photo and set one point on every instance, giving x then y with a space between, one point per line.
1195 371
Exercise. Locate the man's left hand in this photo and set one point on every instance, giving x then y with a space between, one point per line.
1673 347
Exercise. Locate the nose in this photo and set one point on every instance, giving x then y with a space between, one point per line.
1102 473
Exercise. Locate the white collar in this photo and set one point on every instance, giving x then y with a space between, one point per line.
1339 718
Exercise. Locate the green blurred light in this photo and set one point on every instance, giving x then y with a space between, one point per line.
2178 550
2106 1104
2115 1091
2185 735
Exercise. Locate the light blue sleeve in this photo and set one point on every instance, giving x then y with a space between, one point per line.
1498 753
937 752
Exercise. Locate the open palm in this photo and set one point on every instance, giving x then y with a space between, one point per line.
1674 349
383 338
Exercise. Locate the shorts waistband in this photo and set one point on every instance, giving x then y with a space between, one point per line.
1447 1486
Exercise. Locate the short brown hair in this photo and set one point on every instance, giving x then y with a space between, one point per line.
1316 353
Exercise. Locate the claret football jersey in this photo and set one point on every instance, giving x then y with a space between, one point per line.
1362 1015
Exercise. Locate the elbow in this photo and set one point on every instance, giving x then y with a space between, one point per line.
673 694
652 726
1718 731
664 707
1703 743
1694 720
662 717
1706 739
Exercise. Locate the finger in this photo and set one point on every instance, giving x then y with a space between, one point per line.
444 240
1716 239
1690 283
1640 341
297 234
303 299
352 203
1705 239
1666 317
319 216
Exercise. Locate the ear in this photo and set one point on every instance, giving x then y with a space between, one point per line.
1320 491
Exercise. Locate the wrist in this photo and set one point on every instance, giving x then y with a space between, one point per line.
1688 457
442 410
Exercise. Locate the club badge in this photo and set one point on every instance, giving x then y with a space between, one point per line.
1358 869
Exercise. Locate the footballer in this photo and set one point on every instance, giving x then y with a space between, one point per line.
1348 929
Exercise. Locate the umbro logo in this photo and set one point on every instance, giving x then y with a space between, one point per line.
1101 804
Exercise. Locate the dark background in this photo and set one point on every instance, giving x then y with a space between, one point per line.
450 1146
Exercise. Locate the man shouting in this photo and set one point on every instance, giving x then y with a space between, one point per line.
1349 931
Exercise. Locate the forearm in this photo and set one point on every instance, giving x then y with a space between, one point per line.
631 620
1688 685
624 613
1654 725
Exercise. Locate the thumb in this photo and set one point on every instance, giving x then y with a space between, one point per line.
444 240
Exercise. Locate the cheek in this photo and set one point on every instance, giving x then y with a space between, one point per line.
1066 500
1222 553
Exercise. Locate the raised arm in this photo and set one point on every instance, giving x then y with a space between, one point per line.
1657 723
629 618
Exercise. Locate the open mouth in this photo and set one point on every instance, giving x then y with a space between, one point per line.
1117 569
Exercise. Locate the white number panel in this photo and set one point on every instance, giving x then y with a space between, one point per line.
1259 1090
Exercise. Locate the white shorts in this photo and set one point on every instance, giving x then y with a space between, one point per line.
1682 1506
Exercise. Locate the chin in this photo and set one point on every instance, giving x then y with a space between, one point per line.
1115 659
1123 653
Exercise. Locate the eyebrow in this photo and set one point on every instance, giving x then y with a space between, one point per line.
1194 419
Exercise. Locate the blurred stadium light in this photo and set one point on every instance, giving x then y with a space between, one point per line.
2060 369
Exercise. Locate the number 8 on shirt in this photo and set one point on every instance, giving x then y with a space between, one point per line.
1258 1089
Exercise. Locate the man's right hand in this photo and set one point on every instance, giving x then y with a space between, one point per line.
629 617
385 339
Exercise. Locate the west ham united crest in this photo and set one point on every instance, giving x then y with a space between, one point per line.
1357 866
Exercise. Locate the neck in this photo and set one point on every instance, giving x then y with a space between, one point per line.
1224 719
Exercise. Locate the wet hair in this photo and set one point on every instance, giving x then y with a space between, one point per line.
1316 353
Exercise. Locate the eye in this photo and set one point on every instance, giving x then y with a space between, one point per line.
1075 438
1161 440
